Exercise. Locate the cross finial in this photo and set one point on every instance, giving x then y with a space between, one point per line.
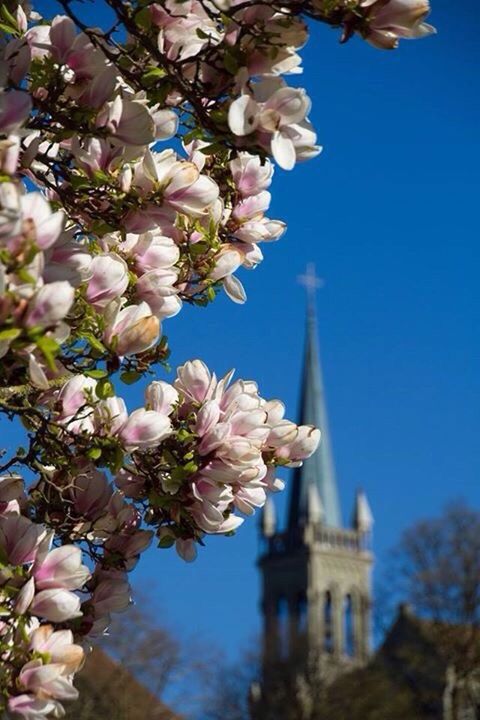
311 282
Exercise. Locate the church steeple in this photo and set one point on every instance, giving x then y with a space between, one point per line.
316 574
319 469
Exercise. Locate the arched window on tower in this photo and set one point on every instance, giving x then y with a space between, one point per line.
328 622
302 614
348 628
283 627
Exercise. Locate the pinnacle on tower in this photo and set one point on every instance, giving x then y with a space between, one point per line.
269 520
315 511
362 519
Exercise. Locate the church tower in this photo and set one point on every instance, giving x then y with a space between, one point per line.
316 574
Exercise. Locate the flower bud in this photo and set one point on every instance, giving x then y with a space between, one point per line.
132 330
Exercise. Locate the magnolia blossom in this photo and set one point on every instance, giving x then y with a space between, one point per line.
278 116
103 235
388 22
132 329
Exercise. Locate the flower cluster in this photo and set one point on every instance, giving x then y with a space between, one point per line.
135 178
37 585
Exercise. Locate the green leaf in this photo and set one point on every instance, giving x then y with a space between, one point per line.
8 29
104 389
130 376
230 63
198 248
191 467
117 461
166 541
143 19
154 73
213 148
183 435
49 348
95 343
9 334
94 453
8 17
96 374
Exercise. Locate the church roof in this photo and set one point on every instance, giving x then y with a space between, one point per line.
110 691
319 469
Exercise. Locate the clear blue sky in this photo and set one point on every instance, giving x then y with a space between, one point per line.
389 215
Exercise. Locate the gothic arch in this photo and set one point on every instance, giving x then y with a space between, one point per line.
348 630
328 622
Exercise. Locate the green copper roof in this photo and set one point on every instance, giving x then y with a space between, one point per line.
318 469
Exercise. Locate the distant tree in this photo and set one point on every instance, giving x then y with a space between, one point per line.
436 566
228 686
437 563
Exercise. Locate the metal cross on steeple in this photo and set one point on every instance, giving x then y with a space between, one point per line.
311 282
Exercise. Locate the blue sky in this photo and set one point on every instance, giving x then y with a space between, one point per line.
389 215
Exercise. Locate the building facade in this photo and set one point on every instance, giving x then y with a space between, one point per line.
316 573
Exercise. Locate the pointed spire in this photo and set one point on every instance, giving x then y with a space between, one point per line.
269 519
317 470
362 519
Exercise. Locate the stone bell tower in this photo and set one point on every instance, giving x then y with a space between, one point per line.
316 574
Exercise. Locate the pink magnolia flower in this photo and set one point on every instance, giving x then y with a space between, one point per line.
144 429
183 34
25 597
49 305
278 114
112 593
56 605
249 175
12 492
186 549
59 647
131 484
161 397
16 57
69 259
157 288
151 251
184 188
91 493
49 681
30 707
129 121
20 539
61 568
75 394
109 279
74 50
129 546
36 212
195 381
226 262
131 330
15 107
110 416
394 19
207 417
